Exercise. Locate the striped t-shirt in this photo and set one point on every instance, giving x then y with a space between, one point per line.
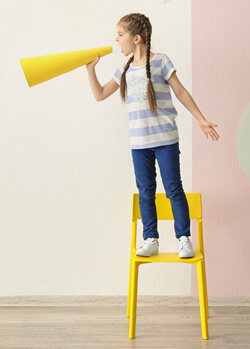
147 130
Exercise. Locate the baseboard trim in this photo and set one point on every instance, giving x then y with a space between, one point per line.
79 301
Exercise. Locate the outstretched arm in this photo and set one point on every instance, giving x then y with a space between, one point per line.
186 99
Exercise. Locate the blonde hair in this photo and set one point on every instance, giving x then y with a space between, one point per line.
138 24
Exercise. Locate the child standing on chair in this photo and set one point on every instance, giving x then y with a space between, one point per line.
145 87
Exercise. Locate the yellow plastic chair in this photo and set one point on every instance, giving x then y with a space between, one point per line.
164 211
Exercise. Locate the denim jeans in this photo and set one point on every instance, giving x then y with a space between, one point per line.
145 173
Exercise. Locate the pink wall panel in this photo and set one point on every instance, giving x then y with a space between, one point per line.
221 89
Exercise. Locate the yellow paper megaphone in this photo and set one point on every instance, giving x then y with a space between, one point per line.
43 68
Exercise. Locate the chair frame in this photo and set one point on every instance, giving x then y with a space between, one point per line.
164 212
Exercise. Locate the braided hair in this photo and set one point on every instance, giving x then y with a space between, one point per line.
138 24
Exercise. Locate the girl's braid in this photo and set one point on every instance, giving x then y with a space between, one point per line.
139 23
148 42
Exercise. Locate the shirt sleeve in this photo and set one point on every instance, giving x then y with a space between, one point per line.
117 74
167 68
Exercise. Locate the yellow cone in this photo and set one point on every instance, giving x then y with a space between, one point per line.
43 68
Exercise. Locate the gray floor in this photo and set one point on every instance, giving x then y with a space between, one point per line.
101 322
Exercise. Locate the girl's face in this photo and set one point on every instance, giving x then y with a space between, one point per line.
125 40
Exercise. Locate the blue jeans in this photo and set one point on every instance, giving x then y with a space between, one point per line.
145 173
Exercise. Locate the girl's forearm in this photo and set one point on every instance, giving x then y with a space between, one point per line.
186 99
95 85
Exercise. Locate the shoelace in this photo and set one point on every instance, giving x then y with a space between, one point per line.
187 242
146 242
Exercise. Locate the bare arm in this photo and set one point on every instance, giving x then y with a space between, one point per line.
187 100
100 92
184 97
94 84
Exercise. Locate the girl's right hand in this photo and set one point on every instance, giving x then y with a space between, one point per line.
91 65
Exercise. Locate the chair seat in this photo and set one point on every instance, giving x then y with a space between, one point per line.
169 257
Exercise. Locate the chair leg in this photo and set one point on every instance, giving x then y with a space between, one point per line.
133 299
205 285
129 288
203 312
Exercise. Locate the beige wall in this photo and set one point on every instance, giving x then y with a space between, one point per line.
66 168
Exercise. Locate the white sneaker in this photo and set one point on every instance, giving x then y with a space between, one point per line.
185 247
150 247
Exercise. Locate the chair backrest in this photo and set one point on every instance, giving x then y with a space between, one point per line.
164 208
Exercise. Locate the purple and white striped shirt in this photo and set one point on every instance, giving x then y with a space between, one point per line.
147 130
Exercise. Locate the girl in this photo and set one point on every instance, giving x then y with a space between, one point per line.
144 85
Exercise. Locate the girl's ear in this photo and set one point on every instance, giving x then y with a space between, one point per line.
138 38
